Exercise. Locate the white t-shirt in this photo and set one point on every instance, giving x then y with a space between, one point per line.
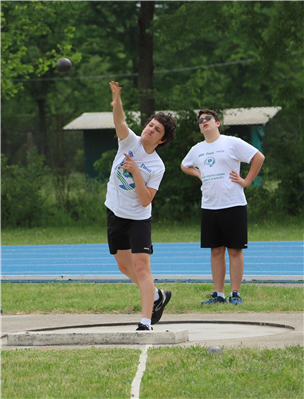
215 161
122 197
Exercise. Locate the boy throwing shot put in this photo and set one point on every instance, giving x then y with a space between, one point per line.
135 177
216 162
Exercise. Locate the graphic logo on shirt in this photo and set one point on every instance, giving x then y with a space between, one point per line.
125 177
209 161
144 167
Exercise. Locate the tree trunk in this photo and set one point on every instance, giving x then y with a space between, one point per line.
146 87
4 146
42 126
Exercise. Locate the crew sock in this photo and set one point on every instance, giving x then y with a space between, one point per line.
156 295
147 322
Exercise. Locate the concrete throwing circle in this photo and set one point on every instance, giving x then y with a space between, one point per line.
164 333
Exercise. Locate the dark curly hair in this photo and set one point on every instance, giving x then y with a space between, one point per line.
169 124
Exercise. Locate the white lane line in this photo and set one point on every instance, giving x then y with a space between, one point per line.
135 388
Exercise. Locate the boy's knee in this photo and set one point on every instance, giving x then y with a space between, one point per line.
142 272
218 251
142 269
122 267
235 253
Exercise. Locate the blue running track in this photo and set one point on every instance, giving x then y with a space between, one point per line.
264 262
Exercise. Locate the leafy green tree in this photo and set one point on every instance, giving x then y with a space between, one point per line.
279 46
34 35
228 59
205 54
146 82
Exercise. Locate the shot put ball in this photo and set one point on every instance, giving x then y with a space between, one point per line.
213 349
64 65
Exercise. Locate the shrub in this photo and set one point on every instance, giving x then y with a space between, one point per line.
21 196
104 164
284 144
81 201
32 197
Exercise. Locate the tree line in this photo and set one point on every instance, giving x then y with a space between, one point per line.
166 55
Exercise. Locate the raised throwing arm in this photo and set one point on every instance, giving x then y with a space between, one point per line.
121 127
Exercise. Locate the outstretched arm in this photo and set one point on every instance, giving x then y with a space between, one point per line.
256 164
191 171
121 127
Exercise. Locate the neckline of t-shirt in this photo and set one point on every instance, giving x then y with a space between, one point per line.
213 141
147 153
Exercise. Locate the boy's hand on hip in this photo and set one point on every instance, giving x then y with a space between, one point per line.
235 178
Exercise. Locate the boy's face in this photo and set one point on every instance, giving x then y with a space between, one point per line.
153 133
207 123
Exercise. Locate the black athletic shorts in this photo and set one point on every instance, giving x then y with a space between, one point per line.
129 234
224 228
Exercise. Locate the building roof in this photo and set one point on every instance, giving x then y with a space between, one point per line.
92 120
249 116
231 117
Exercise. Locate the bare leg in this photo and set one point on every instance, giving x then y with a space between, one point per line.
137 268
218 267
145 282
125 263
236 268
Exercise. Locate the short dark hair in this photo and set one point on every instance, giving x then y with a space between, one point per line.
169 124
209 112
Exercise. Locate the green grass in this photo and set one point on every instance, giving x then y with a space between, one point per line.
171 373
84 373
54 235
236 373
124 298
289 229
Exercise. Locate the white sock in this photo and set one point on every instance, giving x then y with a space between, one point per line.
221 294
236 292
147 322
156 295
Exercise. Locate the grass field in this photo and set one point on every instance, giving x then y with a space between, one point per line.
242 373
289 229
171 373
125 298
87 373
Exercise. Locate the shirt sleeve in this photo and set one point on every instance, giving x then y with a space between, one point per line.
132 137
244 152
187 162
155 180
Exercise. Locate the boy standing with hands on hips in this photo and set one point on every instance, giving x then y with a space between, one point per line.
216 162
135 177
